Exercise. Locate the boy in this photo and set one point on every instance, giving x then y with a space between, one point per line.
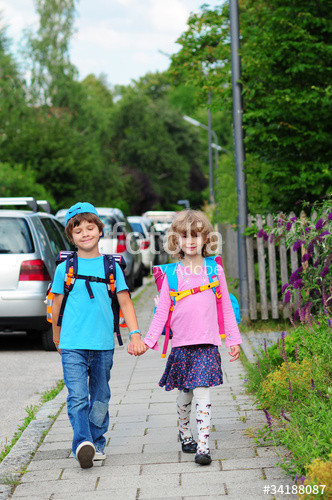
85 340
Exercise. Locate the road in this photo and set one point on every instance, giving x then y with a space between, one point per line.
26 371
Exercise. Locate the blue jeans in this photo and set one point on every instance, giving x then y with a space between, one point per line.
86 375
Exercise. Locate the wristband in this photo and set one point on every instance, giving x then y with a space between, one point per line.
132 332
56 342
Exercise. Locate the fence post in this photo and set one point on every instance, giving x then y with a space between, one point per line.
261 270
273 272
251 273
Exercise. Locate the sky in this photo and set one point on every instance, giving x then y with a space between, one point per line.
124 39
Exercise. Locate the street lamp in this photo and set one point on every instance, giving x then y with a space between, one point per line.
214 145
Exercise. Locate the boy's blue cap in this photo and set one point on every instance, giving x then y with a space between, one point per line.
80 208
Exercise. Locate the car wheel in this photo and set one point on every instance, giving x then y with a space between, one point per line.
130 282
47 340
139 279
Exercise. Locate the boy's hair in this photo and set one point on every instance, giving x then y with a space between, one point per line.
195 223
76 221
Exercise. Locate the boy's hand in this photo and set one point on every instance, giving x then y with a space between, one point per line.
137 346
235 352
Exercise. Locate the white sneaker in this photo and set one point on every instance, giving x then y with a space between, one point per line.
100 455
85 453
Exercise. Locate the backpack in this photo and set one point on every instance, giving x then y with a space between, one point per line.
169 270
71 276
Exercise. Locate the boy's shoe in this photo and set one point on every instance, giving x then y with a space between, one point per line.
203 459
99 455
85 453
188 445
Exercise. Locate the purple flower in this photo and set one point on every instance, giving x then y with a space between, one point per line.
325 271
297 245
293 219
325 233
311 246
319 224
298 284
295 275
329 322
329 216
282 413
312 384
305 257
268 418
260 233
320 395
265 236
284 287
307 229
302 479
287 297
296 477
272 238
289 226
290 390
281 222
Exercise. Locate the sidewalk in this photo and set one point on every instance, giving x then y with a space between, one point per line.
144 460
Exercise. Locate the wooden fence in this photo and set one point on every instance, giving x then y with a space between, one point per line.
269 268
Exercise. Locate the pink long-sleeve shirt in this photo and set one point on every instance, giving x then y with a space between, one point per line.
194 318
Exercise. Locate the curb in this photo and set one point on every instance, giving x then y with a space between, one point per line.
24 449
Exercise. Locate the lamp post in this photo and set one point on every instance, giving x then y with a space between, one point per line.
239 155
212 145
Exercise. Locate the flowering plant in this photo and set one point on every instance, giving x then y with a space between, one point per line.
311 282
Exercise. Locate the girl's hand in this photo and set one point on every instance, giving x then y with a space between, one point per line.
235 352
137 347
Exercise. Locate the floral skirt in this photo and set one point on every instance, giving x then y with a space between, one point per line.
192 366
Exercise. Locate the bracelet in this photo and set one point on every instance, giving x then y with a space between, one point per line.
132 333
56 342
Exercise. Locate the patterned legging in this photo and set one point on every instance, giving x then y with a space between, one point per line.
203 415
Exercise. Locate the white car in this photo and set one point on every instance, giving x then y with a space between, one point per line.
146 241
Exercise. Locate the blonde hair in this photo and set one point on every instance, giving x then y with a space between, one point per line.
195 223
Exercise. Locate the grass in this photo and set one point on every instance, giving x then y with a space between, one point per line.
31 415
292 382
263 326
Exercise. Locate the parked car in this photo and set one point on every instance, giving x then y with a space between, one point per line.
118 238
146 241
161 219
29 243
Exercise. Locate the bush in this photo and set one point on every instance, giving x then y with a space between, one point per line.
292 380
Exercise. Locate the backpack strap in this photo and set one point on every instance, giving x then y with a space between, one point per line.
212 270
110 273
70 278
172 279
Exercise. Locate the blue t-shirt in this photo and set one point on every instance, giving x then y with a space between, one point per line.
87 323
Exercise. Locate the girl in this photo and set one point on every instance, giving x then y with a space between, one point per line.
194 363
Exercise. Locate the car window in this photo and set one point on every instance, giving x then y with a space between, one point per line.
137 228
61 229
54 236
15 236
109 223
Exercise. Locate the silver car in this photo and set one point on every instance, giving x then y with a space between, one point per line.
30 240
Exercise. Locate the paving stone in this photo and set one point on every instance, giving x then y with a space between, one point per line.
48 488
249 463
202 491
223 476
114 471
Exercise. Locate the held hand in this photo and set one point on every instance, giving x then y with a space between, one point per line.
235 352
137 346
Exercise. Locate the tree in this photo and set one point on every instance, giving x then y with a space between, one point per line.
151 140
285 71
48 50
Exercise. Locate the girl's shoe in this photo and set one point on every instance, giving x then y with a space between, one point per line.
203 459
100 455
189 445
85 453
